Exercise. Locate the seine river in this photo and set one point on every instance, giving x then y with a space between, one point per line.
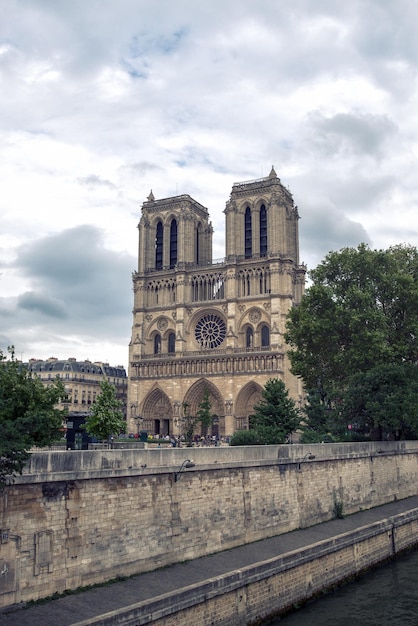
388 595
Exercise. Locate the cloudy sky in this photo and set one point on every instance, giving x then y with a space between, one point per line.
104 100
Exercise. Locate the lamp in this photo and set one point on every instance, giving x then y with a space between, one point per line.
307 457
377 453
138 419
185 465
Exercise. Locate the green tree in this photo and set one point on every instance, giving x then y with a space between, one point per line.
275 417
28 416
318 423
106 417
384 401
360 313
203 416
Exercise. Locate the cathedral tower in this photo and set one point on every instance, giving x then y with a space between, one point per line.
218 326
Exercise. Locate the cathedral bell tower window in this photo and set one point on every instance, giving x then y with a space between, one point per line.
159 237
248 234
198 236
173 244
263 231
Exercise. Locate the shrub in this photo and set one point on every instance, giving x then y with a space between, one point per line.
244 438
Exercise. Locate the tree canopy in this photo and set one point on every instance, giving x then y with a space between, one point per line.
275 417
384 399
106 417
28 416
359 315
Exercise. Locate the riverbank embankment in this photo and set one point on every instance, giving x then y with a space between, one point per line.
244 585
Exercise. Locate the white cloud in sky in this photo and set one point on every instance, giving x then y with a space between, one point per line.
104 100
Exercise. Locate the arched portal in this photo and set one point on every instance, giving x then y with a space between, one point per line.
157 413
193 399
246 400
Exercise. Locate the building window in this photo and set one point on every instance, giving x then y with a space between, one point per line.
157 344
208 287
263 231
265 337
198 231
248 234
173 243
249 337
171 343
159 246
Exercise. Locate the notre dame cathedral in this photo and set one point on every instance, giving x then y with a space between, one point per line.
202 325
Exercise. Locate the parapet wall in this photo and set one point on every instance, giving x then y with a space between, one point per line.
76 518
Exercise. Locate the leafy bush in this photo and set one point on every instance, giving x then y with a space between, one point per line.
244 438
313 436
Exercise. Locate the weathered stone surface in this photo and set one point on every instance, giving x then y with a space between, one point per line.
218 326
101 514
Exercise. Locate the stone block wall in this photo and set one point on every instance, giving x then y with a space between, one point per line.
269 588
77 518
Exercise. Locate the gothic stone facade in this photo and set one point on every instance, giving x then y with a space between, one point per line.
218 326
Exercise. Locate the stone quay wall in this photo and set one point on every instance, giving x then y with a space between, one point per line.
77 518
269 588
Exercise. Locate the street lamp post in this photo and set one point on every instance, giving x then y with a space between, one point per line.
185 465
179 422
137 418
307 457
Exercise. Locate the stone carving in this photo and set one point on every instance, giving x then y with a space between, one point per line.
43 552
162 323
255 316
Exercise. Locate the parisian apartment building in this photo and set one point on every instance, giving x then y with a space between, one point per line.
81 380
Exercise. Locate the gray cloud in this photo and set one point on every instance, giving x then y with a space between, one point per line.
356 133
45 305
75 266
80 288
93 182
332 228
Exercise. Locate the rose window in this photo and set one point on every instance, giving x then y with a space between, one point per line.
210 331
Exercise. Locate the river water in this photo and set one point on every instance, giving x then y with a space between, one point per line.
383 597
